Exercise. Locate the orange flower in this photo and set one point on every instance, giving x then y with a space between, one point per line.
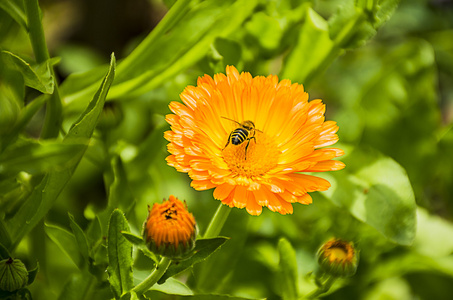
170 229
256 165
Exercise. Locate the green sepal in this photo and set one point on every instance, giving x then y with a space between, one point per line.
140 243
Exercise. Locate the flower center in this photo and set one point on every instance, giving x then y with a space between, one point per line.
252 157
338 254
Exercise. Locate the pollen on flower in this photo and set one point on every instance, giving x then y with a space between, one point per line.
262 155
170 229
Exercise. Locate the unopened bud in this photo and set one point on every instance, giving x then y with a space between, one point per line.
170 229
338 258
13 275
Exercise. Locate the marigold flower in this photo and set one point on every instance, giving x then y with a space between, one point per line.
338 258
249 137
170 229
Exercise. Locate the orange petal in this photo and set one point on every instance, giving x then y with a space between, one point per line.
253 207
329 165
240 197
223 191
202 185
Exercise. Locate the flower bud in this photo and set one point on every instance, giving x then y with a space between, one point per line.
338 258
170 229
13 275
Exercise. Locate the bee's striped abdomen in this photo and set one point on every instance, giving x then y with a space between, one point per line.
239 135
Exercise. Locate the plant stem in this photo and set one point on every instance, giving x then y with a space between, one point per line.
36 31
323 289
52 122
153 277
217 221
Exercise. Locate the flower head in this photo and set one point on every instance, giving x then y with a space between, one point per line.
338 258
249 137
170 229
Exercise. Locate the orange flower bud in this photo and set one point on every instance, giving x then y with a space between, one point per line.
170 229
338 258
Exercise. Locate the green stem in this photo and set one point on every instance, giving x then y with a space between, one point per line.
36 31
153 277
52 122
323 289
217 221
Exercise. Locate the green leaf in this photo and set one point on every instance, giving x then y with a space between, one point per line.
32 274
45 194
349 27
171 286
224 52
86 123
195 33
80 86
40 156
158 58
431 232
11 102
94 232
134 239
4 253
120 255
80 238
287 270
266 29
37 76
203 249
321 42
73 288
120 193
376 190
83 286
314 50
141 244
65 241
15 11
411 262
5 239
23 118
159 295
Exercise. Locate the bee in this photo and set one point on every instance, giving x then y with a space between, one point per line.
246 132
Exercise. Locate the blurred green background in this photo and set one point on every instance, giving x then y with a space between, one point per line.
384 70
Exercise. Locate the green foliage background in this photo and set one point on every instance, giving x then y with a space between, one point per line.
81 137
